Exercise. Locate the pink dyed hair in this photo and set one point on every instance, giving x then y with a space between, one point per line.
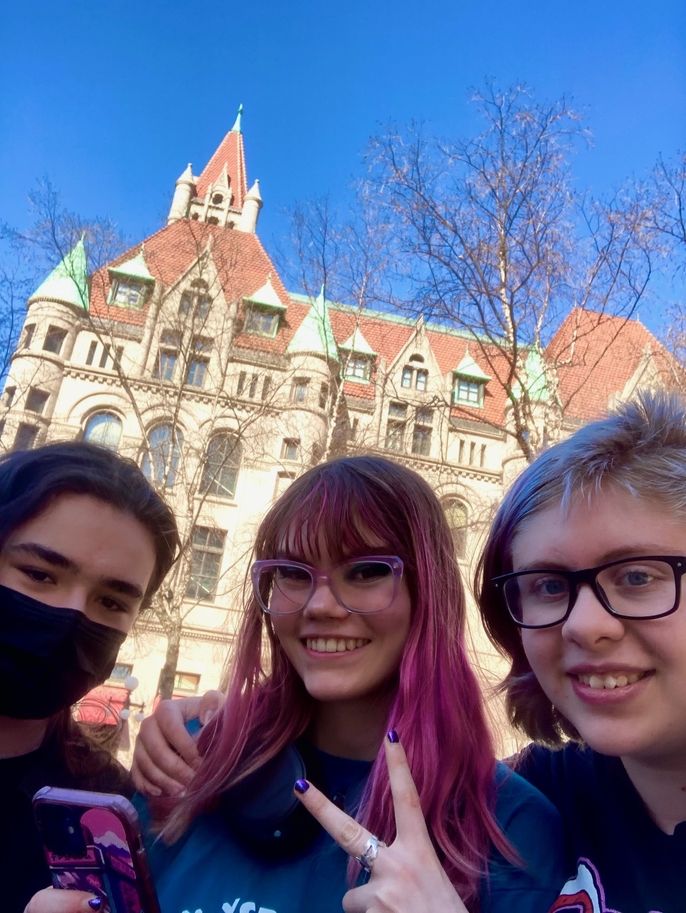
344 505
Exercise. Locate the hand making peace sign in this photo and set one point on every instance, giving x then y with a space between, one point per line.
406 877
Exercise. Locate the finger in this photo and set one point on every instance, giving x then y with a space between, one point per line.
171 717
409 818
210 702
348 833
145 767
53 901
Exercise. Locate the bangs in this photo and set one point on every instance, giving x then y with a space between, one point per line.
340 515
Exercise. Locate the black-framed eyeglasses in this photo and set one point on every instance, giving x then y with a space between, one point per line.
633 588
364 585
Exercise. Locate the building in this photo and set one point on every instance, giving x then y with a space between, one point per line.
188 354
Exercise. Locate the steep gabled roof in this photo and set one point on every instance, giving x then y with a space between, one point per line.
596 355
229 157
242 265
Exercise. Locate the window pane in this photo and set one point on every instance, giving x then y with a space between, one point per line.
161 461
36 400
421 440
406 379
456 514
207 547
221 466
103 428
54 339
26 436
197 371
261 321
166 364
420 380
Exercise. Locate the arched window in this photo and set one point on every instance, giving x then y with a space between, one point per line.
221 466
103 428
457 516
161 460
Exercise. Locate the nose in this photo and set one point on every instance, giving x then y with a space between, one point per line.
323 603
589 622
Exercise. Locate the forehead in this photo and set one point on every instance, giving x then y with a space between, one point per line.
96 536
324 543
598 527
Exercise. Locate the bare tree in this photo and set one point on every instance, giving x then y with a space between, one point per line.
492 238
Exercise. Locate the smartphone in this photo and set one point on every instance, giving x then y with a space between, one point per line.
92 842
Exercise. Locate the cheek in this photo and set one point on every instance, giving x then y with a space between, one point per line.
540 648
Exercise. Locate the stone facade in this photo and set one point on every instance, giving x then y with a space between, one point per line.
188 354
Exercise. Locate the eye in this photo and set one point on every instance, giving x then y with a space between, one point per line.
549 588
37 574
114 605
367 572
290 574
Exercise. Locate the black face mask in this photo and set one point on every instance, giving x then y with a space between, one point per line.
49 658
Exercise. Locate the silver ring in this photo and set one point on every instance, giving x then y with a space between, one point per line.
370 852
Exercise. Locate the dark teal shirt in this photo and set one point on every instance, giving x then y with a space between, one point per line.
210 870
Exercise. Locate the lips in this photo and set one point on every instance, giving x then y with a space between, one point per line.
334 644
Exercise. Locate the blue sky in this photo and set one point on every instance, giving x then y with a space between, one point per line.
110 100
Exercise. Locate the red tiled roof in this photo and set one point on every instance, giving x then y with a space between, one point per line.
596 355
241 261
229 153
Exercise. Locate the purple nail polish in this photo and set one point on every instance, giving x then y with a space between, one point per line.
301 786
393 737
95 903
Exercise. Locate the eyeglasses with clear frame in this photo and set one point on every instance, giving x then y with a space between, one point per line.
639 588
361 585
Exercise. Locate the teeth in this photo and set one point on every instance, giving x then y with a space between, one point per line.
334 644
608 682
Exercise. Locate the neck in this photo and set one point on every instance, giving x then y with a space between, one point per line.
352 729
19 737
662 788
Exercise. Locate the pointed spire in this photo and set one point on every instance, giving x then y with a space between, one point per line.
315 334
254 192
229 154
68 282
237 123
535 376
186 176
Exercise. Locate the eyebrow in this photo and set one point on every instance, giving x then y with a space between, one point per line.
615 554
57 559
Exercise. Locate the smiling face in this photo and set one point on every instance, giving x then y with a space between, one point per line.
620 683
82 553
341 656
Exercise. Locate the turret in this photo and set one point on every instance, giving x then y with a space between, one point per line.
183 194
251 209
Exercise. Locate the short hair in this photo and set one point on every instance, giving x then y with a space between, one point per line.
348 506
639 448
30 480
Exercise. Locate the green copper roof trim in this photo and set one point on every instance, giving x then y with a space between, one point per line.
266 296
469 368
134 268
357 343
68 282
237 123
536 378
315 333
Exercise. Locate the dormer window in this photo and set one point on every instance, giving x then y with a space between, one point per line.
468 391
131 282
357 367
261 321
469 383
263 311
128 293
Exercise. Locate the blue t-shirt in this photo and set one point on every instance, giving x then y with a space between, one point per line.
211 870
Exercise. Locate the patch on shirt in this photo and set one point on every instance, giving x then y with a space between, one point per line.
584 893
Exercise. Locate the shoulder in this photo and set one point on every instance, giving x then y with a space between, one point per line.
557 772
533 830
516 797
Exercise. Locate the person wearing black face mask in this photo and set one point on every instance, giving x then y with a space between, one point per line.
84 544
